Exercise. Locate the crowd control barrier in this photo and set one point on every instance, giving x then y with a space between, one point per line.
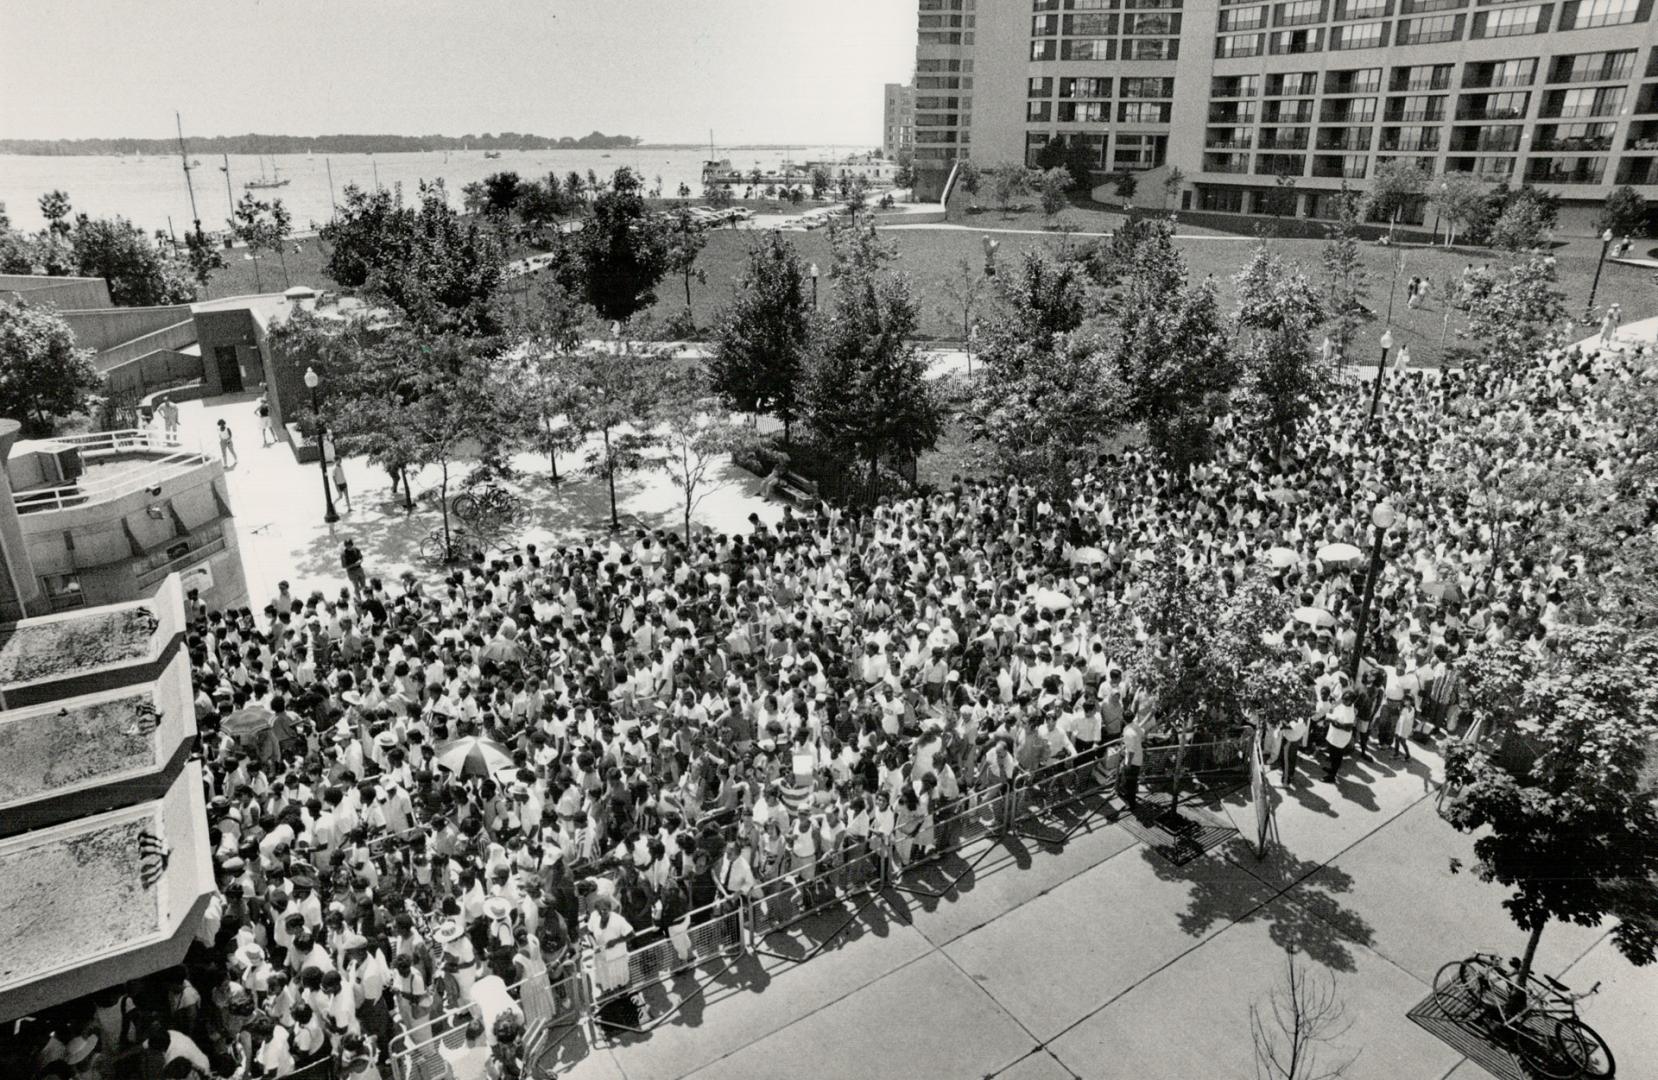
555 1004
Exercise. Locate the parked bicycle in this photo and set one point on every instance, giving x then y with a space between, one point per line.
1539 1017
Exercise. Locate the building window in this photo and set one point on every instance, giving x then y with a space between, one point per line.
1358 36
1044 26
63 591
1143 112
1146 88
1084 112
1088 49
1042 86
1151 22
1043 50
1139 151
1097 25
1299 13
1594 67
1151 49
1511 22
1290 42
1587 14
1428 31
1363 9
1238 45
1084 87
1249 18
1038 111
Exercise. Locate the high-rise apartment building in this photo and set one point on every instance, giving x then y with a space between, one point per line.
1273 106
898 126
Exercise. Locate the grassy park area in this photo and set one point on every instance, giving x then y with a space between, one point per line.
932 257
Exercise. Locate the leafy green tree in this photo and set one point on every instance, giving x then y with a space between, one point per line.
42 374
1522 225
903 177
687 239
717 195
137 272
1007 182
1516 319
1283 375
1172 180
502 191
621 252
1624 212
552 333
204 256
822 179
1395 185
16 252
1280 201
868 394
696 436
372 233
1047 397
440 272
1346 281
1125 184
1566 823
964 288
1051 186
763 338
970 178
1167 347
54 207
616 397
1457 199
1081 161
252 225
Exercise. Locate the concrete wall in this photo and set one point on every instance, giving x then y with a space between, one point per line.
99 330
236 328
61 292
152 371
19 588
173 338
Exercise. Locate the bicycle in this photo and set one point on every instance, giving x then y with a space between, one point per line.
1540 1016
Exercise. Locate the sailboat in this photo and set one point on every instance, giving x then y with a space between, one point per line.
274 180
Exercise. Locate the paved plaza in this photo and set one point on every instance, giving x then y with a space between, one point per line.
1102 959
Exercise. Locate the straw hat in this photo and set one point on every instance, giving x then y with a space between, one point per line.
449 930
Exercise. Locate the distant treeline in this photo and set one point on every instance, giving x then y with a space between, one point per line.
318 144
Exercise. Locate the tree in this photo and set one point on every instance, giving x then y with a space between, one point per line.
1008 182
502 192
616 397
54 207
1080 161
1517 318
762 340
1396 183
696 436
1346 282
686 242
821 178
903 177
1172 181
552 335
42 374
1564 819
1051 186
442 273
868 394
684 190
280 227
1457 199
970 178
1280 201
252 225
1301 1021
964 288
717 195
1624 212
1125 184
137 272
1167 347
1283 375
1527 217
1047 397
372 232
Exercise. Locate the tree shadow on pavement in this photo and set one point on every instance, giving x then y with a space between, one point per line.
1311 919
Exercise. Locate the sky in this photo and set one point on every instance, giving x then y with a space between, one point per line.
767 71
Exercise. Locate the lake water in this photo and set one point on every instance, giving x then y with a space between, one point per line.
151 189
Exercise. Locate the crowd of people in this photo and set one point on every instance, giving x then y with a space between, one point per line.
665 728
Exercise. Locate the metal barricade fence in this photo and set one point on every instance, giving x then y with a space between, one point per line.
713 932
782 901
546 998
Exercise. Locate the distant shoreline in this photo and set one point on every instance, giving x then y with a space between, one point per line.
279 146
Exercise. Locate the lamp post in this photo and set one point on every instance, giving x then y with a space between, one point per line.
972 343
1594 286
1381 372
1382 517
813 271
311 381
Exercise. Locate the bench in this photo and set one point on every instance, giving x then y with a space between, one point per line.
795 488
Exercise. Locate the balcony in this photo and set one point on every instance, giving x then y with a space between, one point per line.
1579 145
1336 169
1228 144
1638 171
1483 112
1486 81
1337 115
81 470
1231 114
1344 140
1592 171
1416 84
1284 142
1599 73
1224 163
1287 116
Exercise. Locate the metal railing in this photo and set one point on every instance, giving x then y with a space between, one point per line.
172 460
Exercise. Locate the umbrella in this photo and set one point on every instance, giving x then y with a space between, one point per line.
249 721
1052 600
1337 554
1282 557
1088 556
1314 616
473 756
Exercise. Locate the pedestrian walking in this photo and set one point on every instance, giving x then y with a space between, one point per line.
1294 737
227 446
1338 737
1134 758
340 484
169 418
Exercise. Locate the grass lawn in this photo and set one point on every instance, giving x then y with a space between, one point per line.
305 267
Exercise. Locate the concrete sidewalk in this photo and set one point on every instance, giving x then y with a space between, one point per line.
1102 959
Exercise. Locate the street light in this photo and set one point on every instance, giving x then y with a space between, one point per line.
1381 370
1382 517
1594 286
813 271
311 382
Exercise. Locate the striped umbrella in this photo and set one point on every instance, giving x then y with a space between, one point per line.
473 756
